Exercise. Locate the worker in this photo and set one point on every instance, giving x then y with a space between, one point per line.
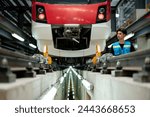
122 46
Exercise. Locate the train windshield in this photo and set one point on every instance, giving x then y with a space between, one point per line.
71 1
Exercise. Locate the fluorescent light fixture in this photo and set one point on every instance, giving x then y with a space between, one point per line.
87 85
70 73
74 71
129 36
110 46
73 97
17 37
65 75
51 94
61 80
33 46
68 70
79 77
117 15
33 36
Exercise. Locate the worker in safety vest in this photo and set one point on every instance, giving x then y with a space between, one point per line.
122 46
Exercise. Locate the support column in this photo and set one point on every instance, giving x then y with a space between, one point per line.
113 19
141 42
140 6
148 41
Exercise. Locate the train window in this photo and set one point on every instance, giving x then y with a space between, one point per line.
70 1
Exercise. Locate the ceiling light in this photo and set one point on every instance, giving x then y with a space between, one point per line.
17 37
65 75
129 36
33 46
117 15
61 80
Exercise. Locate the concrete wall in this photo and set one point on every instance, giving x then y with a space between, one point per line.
60 93
107 87
27 88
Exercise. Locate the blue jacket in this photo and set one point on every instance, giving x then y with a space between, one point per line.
118 50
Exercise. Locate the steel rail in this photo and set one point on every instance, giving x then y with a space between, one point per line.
135 59
16 59
129 63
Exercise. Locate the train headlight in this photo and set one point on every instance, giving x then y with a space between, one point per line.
101 10
40 10
41 16
101 16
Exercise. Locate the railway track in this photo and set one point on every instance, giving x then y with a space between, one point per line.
133 61
125 65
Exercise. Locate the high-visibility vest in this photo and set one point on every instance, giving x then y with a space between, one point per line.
118 50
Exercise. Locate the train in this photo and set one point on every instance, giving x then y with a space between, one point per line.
71 28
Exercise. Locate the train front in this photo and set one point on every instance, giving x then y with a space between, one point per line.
71 28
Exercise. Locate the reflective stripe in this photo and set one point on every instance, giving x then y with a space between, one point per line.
116 46
127 46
